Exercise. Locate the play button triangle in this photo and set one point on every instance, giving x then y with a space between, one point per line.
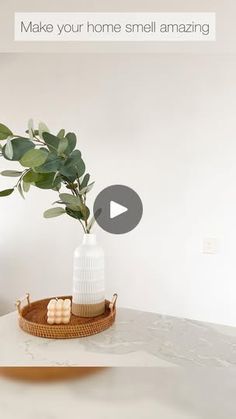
116 209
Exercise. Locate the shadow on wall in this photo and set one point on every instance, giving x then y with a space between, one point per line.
6 303
10 287
5 306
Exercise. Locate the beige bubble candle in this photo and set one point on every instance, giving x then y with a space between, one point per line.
59 311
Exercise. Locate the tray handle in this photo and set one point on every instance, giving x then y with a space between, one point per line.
112 304
19 302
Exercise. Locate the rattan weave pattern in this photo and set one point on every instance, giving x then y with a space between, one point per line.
33 320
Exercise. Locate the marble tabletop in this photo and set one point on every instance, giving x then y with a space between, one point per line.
146 393
136 339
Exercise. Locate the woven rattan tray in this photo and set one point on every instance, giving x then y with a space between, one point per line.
33 320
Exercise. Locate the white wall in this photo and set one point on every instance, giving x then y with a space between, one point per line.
162 124
225 17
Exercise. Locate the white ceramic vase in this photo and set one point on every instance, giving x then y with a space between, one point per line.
88 279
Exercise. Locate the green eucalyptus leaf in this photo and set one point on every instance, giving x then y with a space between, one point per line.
71 137
57 187
48 181
61 134
74 214
5 132
9 149
54 212
42 180
86 189
72 207
75 157
6 192
20 190
42 129
57 174
31 177
85 212
51 165
74 166
70 200
20 146
77 163
82 214
85 181
63 144
33 158
26 186
31 129
11 173
52 141
58 202
36 132
60 145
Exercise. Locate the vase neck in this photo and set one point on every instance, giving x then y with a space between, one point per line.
89 239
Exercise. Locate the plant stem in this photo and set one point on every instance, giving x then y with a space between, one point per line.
39 140
83 199
85 231
21 177
75 192
86 220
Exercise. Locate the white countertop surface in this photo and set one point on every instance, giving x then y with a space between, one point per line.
128 393
136 339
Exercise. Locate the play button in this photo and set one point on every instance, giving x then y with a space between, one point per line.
118 209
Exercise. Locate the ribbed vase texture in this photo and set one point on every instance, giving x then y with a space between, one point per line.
88 279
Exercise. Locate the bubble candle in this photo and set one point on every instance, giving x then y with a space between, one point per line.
59 311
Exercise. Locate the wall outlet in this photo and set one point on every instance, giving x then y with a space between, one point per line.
210 246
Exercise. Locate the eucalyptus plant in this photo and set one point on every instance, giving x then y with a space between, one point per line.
49 162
